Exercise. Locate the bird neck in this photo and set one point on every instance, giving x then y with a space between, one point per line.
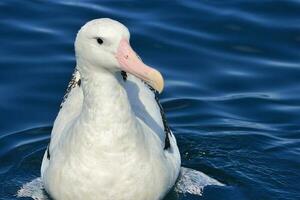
106 108
104 96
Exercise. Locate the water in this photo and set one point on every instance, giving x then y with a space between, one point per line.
232 95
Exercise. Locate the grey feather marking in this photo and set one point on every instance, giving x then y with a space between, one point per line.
48 152
163 116
75 81
124 75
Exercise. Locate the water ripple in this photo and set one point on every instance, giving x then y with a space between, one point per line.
231 96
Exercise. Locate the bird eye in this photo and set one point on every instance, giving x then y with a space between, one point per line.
100 41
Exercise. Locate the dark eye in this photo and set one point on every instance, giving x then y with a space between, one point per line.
100 41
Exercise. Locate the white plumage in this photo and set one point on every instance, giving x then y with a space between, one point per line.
109 141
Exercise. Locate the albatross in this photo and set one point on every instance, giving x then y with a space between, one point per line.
110 140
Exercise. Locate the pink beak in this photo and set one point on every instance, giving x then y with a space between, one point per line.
130 63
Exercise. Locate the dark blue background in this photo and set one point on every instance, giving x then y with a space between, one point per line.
232 92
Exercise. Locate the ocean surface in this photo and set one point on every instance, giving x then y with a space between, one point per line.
232 95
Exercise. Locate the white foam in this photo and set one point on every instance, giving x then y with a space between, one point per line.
193 182
33 189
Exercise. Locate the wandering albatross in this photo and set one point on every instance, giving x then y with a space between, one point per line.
110 140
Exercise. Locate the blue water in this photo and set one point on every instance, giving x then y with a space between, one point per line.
232 95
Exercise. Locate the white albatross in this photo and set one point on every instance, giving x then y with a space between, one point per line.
110 140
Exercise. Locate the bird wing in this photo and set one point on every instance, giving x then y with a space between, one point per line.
145 104
69 109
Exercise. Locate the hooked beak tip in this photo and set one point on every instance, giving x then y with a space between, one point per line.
157 81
